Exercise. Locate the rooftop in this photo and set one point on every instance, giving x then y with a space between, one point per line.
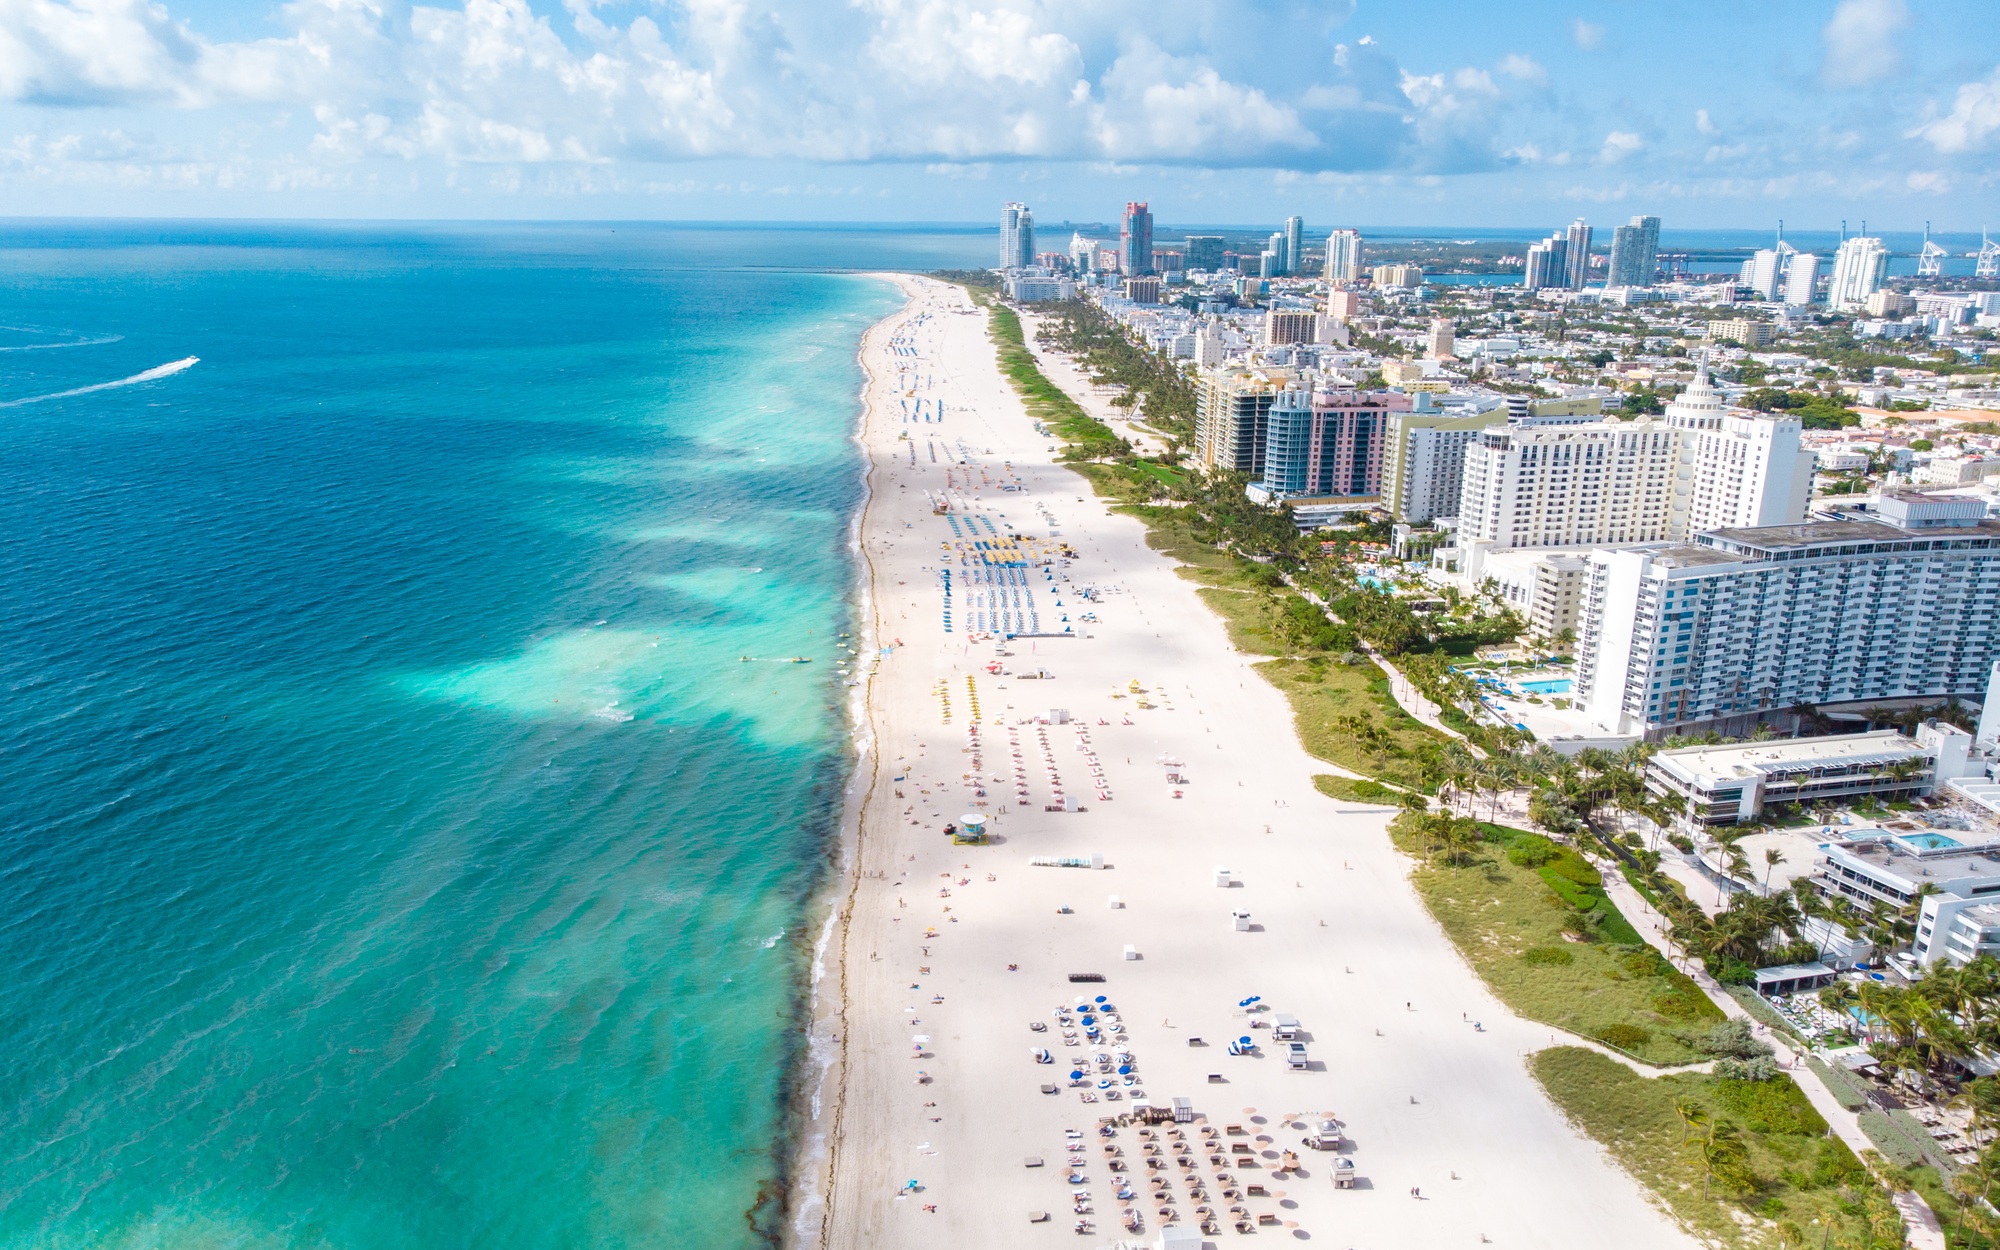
1708 766
1834 533
1916 864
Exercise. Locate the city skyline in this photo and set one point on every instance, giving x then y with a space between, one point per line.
914 111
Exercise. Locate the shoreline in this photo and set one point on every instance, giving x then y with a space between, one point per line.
807 1172
910 1149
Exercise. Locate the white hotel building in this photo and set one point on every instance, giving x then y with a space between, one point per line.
1681 637
1560 482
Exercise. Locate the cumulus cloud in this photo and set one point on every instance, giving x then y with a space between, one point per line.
932 81
1705 124
1860 41
1587 34
1972 122
1618 145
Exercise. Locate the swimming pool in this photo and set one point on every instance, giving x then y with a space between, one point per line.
1927 841
1549 685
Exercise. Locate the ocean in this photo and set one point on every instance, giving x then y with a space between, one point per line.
394 850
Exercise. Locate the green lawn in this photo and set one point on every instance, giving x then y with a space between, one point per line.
1348 790
1794 1172
1507 920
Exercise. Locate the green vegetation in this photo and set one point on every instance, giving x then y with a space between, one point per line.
1089 438
1348 790
1739 1163
1815 411
1531 917
1113 359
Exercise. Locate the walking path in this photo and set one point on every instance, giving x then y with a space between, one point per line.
1925 1231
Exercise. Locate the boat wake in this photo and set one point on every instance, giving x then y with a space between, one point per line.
99 341
156 372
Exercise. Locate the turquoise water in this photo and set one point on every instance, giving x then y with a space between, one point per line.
393 852
1548 685
1927 841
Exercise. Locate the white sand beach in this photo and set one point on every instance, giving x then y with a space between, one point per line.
968 946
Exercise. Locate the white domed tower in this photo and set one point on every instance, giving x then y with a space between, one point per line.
1700 406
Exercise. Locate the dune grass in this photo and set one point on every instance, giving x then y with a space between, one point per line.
1507 919
1791 1171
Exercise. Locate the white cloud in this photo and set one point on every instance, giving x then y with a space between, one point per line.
1618 145
932 81
1587 34
1704 124
1860 41
1524 69
1928 180
1974 118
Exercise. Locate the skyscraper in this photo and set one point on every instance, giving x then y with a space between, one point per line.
1760 273
1017 236
1343 256
1801 277
1204 251
1578 267
1634 253
1858 270
1548 263
1275 245
1295 244
1135 239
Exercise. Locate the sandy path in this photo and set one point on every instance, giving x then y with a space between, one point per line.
1338 938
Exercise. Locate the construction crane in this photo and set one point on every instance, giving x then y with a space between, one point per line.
1930 261
1989 258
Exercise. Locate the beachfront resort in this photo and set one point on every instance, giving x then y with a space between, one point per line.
1299 773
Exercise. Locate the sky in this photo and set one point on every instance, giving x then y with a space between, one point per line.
1709 113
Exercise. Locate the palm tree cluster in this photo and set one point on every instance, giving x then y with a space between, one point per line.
1923 1032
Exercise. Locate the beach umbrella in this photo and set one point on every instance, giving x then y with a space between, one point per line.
1076 1075
1124 1069
1245 1040
1100 998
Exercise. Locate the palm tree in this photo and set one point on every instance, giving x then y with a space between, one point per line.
1723 1156
1772 858
1693 1118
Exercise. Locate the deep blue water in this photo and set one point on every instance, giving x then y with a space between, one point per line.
392 850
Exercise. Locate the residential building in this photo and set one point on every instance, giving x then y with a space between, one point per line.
1534 485
1955 470
1270 263
1166 260
1017 236
1578 480
1801 279
1082 253
1290 325
1035 287
1440 340
1295 244
1548 264
1343 256
1859 269
1578 249
1634 253
1423 463
1734 782
1888 304
1142 290
1752 334
1232 416
1135 240
1762 272
1545 587
1326 443
1394 277
1204 252
1742 622
1343 305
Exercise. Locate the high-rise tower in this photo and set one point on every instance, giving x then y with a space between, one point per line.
1135 239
